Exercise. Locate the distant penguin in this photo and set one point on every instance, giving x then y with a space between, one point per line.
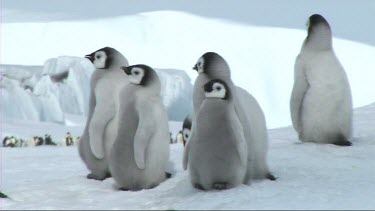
100 131
186 128
141 150
321 102
213 66
5 141
218 150
180 138
10 142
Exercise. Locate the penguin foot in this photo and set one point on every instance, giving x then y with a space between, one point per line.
220 186
2 195
341 140
133 190
343 143
198 186
168 175
271 177
94 177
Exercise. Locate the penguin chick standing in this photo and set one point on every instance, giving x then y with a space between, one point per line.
141 150
321 102
218 150
212 66
100 131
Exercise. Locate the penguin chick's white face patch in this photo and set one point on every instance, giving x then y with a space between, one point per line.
100 59
137 75
218 91
200 65
186 133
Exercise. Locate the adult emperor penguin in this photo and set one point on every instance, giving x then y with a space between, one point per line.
140 154
321 102
213 66
100 131
218 149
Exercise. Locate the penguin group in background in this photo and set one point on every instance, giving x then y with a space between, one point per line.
141 150
212 66
321 102
100 130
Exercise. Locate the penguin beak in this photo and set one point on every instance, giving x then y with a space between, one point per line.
195 67
90 57
126 70
207 87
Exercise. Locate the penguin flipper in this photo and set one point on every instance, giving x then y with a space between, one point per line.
98 124
144 132
300 88
240 141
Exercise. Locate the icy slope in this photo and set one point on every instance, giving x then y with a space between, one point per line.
62 88
261 58
310 176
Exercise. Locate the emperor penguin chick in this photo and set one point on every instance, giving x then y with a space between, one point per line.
213 66
218 149
141 150
321 102
100 131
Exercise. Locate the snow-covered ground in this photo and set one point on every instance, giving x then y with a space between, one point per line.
261 58
310 176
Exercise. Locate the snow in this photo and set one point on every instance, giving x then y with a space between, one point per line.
310 176
261 58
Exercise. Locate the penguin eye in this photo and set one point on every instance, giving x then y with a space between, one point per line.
136 73
98 56
218 88
186 136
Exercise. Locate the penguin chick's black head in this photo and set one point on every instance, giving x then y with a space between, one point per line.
216 88
210 62
139 74
102 58
315 20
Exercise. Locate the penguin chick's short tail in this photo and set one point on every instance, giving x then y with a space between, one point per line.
341 140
